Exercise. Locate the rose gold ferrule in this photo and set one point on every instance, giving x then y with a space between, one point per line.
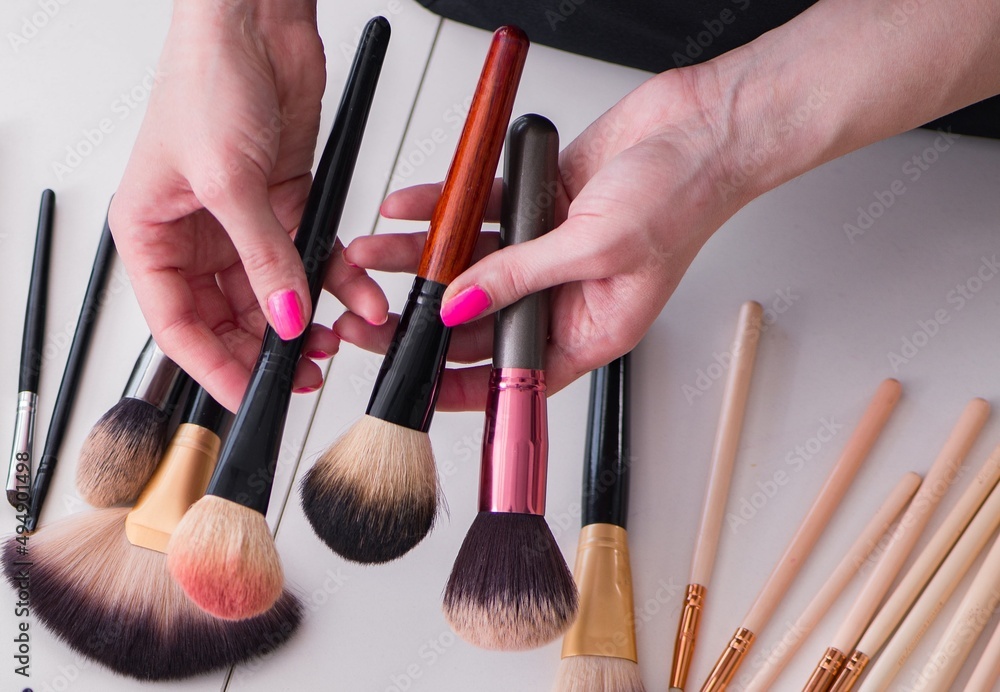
851 672
729 662
515 443
826 671
687 634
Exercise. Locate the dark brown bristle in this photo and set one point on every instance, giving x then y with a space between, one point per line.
598 674
510 588
121 452
373 495
116 604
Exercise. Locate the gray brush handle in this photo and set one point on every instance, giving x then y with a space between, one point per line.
531 170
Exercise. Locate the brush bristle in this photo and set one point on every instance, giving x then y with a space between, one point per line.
510 588
598 674
120 453
223 556
373 495
116 604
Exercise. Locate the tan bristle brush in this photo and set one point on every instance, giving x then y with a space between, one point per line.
99 580
727 441
510 588
373 495
599 650
830 495
222 553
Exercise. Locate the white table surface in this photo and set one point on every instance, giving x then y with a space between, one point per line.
847 305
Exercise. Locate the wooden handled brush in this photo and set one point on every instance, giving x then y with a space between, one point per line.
19 471
222 553
599 651
373 495
510 587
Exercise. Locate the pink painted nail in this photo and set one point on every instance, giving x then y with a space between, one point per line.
467 305
317 355
286 314
307 390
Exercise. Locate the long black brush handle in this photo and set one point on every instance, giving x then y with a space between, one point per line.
71 375
205 412
245 471
607 461
34 316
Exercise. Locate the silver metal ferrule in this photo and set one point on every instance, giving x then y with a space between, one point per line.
154 377
19 471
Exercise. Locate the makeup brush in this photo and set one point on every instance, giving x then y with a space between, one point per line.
222 553
71 376
986 674
373 494
19 471
599 651
510 588
99 580
121 451
727 440
848 566
939 478
927 564
802 543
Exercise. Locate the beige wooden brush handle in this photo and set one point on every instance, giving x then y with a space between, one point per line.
987 672
727 440
933 598
830 495
939 479
835 584
975 610
892 613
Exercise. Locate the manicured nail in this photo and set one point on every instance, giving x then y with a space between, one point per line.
307 390
467 305
352 265
286 315
317 355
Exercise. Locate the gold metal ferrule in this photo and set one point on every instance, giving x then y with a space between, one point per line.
687 635
179 481
851 672
729 662
826 671
605 625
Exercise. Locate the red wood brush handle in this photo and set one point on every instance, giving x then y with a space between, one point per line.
458 215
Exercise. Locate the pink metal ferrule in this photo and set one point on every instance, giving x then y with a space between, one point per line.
515 443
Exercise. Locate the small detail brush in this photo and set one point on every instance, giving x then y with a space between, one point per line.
19 471
599 651
373 495
727 441
222 553
510 588
121 451
78 348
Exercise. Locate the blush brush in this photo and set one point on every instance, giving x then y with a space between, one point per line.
373 495
510 588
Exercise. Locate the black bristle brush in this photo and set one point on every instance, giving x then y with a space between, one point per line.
510 588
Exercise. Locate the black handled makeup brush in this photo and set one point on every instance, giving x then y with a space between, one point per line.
373 495
19 471
510 588
599 651
222 553
71 375
122 449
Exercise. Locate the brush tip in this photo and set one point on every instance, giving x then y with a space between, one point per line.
598 674
223 556
121 452
373 495
510 588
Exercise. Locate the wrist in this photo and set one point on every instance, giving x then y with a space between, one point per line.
229 12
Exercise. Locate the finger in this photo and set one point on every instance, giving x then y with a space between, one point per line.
400 252
417 203
355 289
470 344
321 343
308 377
464 389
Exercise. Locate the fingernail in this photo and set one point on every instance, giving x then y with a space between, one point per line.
352 265
385 318
307 390
467 305
317 355
286 314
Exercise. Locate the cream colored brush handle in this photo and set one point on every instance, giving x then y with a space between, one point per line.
987 672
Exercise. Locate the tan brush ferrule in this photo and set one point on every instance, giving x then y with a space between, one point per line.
851 672
687 635
826 671
179 481
729 662
605 625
